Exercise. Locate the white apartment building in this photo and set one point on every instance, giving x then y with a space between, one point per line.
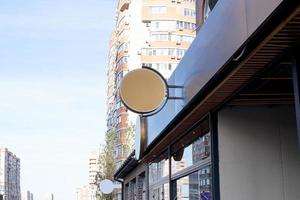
9 175
27 195
148 33
83 193
94 169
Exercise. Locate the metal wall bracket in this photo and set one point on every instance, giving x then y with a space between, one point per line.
175 97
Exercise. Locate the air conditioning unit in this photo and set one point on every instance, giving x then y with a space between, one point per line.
178 43
139 53
148 24
180 29
126 23
173 57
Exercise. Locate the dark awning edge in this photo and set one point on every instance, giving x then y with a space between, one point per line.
127 166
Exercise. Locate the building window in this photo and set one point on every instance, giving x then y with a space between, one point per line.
172 37
159 192
194 186
171 25
119 119
190 1
123 47
159 169
132 190
192 154
189 12
127 191
163 52
160 66
163 25
118 134
185 25
157 9
141 187
119 150
121 61
191 165
158 178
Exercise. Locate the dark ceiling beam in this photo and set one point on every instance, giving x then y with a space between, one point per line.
266 94
275 78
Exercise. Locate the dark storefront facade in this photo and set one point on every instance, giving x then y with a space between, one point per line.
235 133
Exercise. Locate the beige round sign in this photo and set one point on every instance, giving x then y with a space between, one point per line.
143 90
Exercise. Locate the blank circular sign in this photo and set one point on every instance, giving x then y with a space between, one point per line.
106 186
143 90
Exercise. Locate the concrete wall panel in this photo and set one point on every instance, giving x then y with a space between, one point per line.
259 157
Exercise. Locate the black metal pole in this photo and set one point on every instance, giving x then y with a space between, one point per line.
296 85
213 124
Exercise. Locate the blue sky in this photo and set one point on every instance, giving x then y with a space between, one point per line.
53 56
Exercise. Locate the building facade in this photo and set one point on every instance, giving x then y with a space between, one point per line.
94 170
83 193
236 132
9 175
148 33
27 195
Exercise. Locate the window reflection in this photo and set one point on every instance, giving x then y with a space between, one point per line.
159 193
132 190
141 187
159 169
192 154
159 178
195 186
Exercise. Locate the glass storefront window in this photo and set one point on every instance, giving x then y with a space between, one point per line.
192 154
127 191
141 187
159 169
132 190
160 192
159 178
195 186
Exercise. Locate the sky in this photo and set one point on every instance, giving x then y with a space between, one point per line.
53 56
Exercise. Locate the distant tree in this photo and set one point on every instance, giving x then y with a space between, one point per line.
107 159
107 163
130 139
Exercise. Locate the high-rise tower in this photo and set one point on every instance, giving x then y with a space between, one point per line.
9 175
148 33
